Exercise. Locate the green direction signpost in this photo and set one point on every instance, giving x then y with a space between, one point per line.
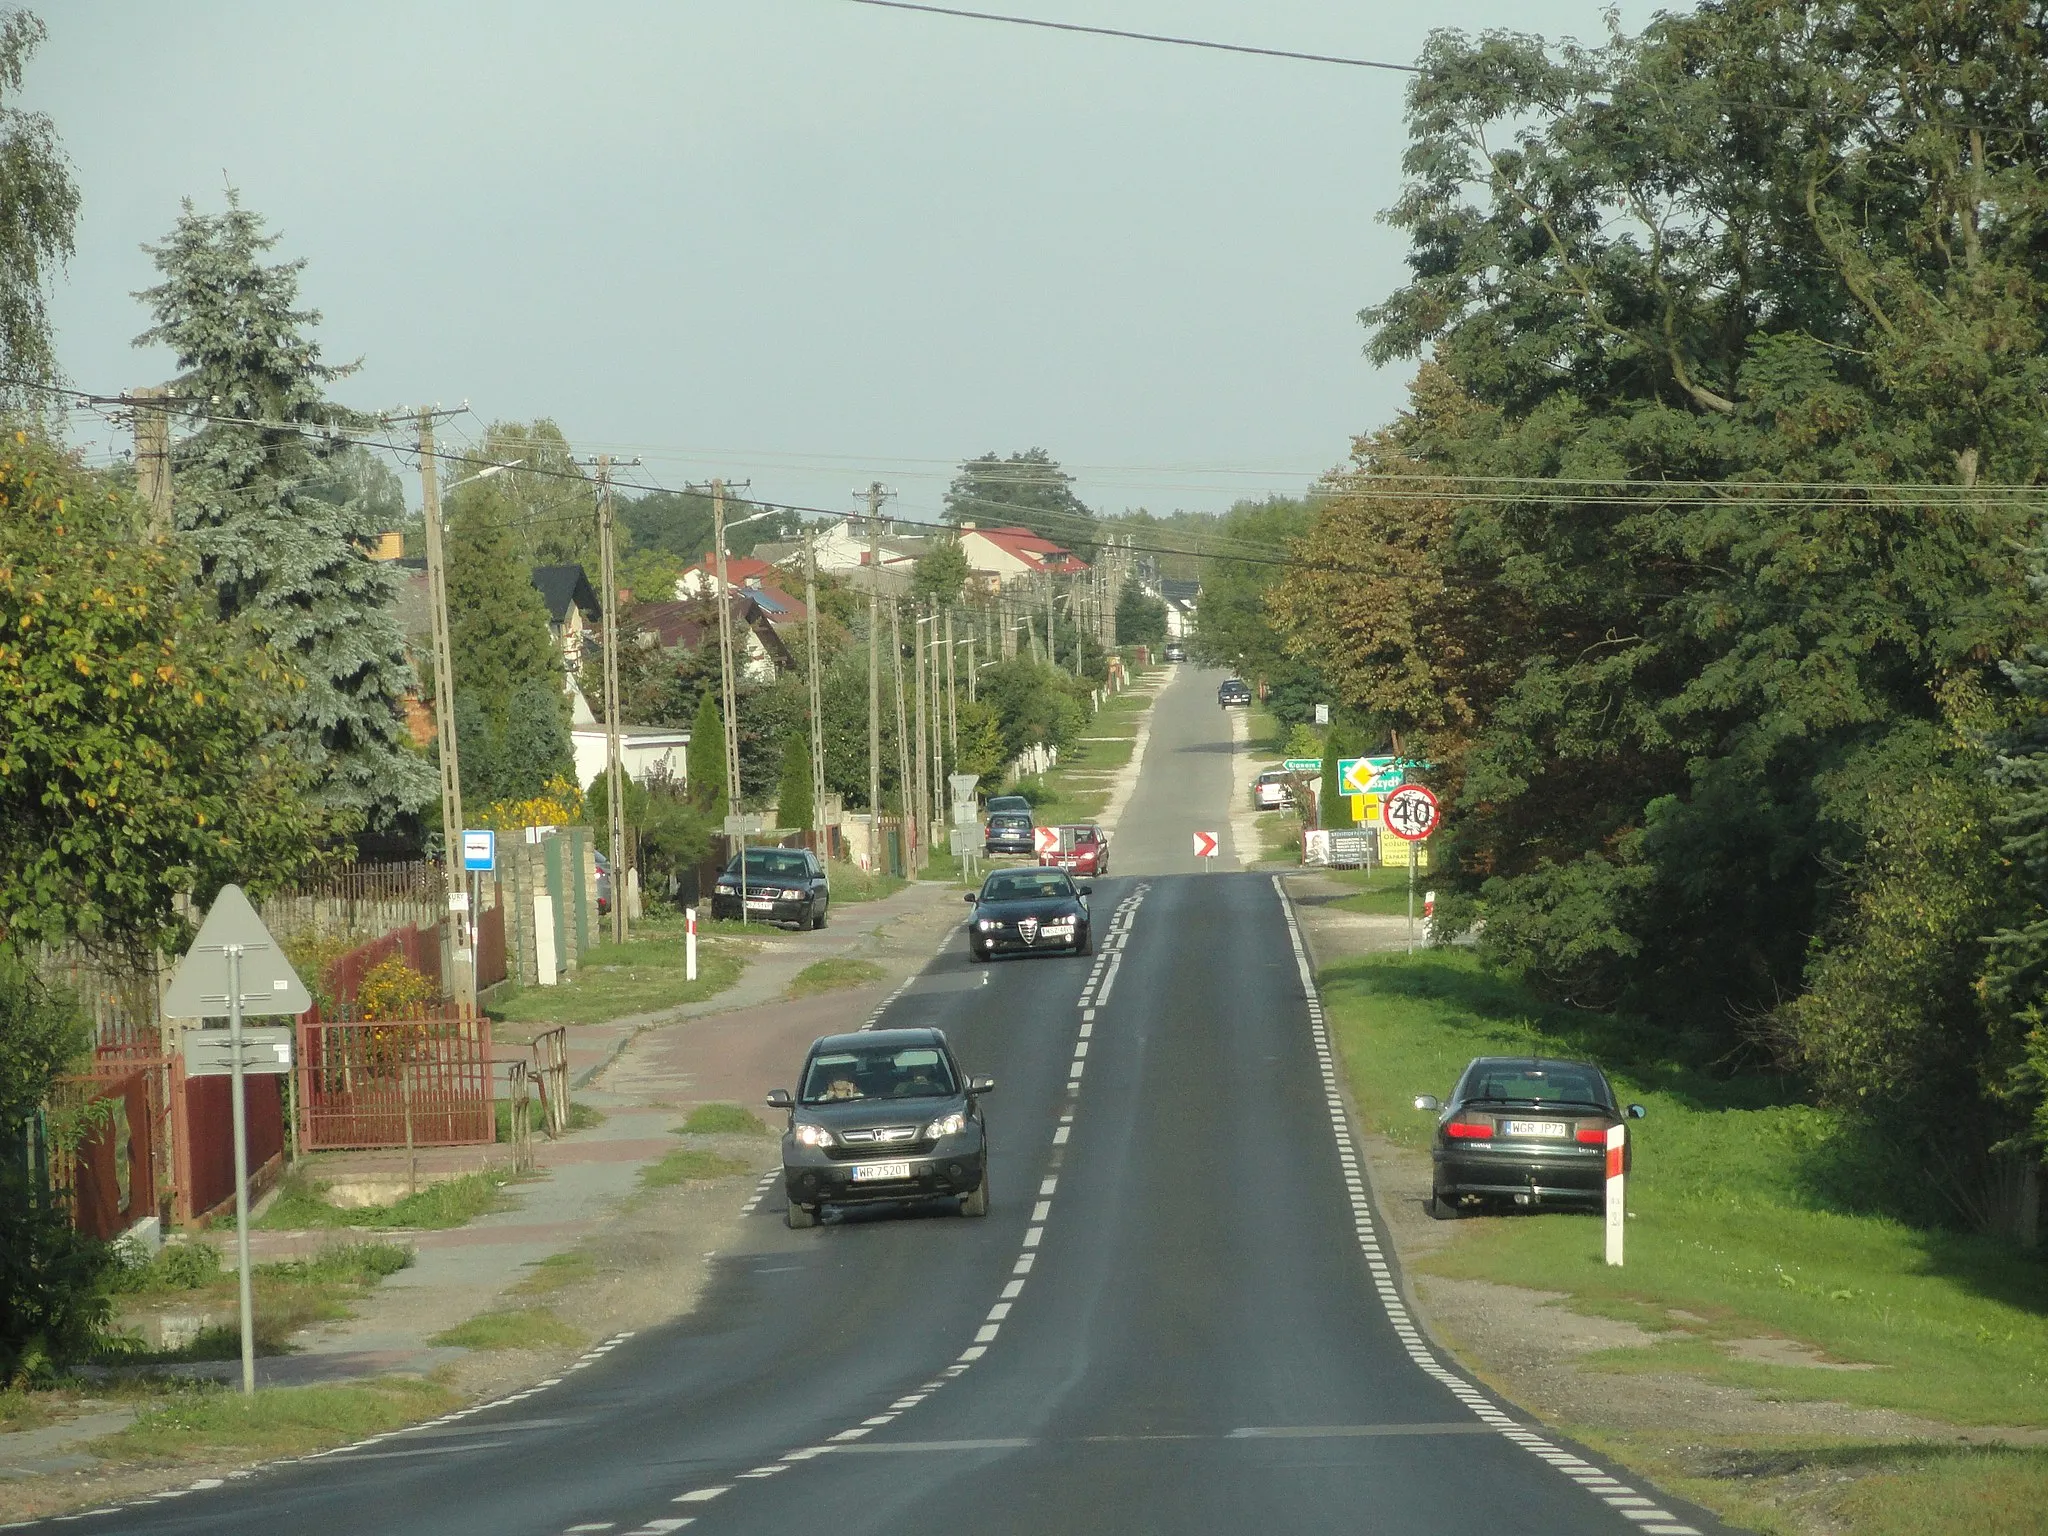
233 969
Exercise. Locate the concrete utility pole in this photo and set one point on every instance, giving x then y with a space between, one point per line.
923 775
938 737
462 985
973 686
728 692
902 742
952 696
1074 612
153 458
875 674
614 774
817 695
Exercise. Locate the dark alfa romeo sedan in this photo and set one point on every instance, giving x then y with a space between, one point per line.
1526 1130
1029 912
881 1116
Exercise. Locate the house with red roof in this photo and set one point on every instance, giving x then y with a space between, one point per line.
1002 557
748 577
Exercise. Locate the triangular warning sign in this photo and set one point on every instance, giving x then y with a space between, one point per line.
269 985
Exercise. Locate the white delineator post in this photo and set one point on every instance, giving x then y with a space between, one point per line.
1617 1199
690 944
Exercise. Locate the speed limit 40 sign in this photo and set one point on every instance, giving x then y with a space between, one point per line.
1410 813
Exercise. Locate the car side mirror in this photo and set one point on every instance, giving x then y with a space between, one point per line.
971 897
1636 1111
778 1098
1429 1102
1084 890
976 1086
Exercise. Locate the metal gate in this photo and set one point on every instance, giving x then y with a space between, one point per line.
367 1083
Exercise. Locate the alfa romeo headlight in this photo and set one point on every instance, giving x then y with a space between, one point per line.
813 1135
946 1125
988 925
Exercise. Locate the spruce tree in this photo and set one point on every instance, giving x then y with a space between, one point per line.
289 567
512 710
794 807
707 757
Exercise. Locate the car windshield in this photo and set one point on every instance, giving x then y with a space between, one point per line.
1515 1084
879 1072
1026 885
772 864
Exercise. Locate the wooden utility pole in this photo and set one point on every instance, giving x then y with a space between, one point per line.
875 674
462 985
153 458
728 691
614 774
817 694
902 742
1074 612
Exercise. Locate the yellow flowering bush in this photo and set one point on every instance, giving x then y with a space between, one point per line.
558 804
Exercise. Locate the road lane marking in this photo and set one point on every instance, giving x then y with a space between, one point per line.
1490 1418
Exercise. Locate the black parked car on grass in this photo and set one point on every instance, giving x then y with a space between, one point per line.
1029 911
778 885
1523 1129
882 1116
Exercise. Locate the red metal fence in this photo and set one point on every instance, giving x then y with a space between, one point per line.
202 1123
361 1081
418 946
490 945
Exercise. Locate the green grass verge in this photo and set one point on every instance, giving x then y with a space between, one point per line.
722 1120
1279 837
687 1163
643 975
21 1410
205 1423
582 1117
302 1204
832 975
1382 892
850 882
1745 1214
556 1272
288 1296
517 1328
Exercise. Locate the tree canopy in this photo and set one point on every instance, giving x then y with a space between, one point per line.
1028 489
38 209
284 553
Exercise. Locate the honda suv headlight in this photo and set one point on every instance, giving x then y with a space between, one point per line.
946 1125
813 1135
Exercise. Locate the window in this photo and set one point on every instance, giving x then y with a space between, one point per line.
909 1072
1026 885
1542 1085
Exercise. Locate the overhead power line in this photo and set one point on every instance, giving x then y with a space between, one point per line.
1141 37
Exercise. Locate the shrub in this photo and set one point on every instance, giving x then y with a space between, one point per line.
394 990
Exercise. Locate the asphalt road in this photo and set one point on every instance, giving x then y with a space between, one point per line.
1176 1317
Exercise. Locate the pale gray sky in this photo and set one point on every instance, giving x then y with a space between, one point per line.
804 242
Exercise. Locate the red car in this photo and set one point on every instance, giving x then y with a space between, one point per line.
1081 851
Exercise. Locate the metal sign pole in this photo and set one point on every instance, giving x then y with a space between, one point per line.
241 1124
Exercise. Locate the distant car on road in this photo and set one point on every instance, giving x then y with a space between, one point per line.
1029 912
1083 850
1175 651
1009 831
1233 690
1009 803
1526 1130
1271 791
780 885
883 1116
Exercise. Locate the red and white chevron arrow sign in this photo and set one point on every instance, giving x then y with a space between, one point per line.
1205 845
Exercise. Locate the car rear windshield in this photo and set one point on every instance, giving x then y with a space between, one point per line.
775 863
1026 885
907 1072
1541 1085
1272 778
1011 819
